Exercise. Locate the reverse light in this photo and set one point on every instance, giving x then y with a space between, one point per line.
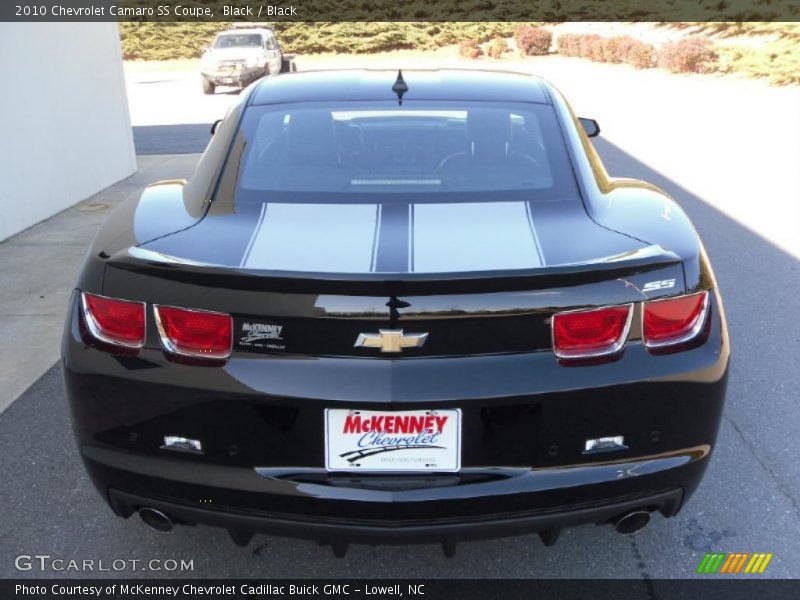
194 333
182 444
605 444
673 321
115 322
591 333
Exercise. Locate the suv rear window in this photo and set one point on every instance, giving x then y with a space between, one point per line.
238 40
416 148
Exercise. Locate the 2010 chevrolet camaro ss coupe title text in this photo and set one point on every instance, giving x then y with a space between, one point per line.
397 307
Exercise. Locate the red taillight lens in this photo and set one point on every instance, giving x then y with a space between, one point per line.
591 333
674 320
195 333
116 322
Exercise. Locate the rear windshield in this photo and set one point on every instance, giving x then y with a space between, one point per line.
418 148
238 40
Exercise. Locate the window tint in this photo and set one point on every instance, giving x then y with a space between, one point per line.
238 40
416 148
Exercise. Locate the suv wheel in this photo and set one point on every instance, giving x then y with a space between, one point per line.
208 87
288 65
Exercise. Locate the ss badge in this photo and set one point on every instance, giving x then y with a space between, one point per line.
664 284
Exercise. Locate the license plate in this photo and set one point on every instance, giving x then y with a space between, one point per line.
227 80
412 440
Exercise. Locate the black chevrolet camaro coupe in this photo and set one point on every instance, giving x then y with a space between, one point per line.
397 307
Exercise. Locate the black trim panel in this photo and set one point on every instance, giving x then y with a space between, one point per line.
667 502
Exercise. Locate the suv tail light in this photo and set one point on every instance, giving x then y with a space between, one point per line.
591 333
114 322
194 333
673 320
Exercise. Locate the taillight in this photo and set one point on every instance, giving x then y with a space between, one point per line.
673 320
115 322
194 333
591 333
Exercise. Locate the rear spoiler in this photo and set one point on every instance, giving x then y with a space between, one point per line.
148 262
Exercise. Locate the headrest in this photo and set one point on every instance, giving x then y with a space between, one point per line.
311 135
489 132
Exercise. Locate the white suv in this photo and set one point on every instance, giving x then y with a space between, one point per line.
241 55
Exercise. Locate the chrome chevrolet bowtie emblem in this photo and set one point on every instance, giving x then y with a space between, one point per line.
391 340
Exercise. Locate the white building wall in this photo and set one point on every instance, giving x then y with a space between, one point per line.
64 125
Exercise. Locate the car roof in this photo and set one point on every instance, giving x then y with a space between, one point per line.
423 84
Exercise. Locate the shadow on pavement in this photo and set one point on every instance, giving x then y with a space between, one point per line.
187 138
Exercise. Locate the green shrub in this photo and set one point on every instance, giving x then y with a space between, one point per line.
641 55
590 46
615 49
568 44
497 48
620 49
470 48
689 55
533 41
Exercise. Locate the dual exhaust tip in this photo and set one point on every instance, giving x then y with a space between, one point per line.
156 519
632 522
161 521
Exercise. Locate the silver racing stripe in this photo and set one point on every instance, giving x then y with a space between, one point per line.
480 236
442 238
410 237
536 239
376 241
315 238
260 222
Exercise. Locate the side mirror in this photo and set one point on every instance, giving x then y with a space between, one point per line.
590 126
215 125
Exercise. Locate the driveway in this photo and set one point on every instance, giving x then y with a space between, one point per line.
750 498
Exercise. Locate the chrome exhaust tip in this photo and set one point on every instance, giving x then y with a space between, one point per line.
632 522
156 519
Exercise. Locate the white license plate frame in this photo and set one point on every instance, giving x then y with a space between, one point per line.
437 449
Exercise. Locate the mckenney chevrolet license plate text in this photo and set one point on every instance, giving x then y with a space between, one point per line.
417 440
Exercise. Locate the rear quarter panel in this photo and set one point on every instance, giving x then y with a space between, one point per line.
633 207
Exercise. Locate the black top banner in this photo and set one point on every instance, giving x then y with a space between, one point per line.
399 10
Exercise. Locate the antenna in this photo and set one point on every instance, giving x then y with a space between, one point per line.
400 87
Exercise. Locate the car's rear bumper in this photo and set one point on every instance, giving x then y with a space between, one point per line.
476 503
548 523
241 78
524 419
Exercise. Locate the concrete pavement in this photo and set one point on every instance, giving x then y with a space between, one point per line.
40 268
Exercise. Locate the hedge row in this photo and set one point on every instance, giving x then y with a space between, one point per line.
689 55
164 41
